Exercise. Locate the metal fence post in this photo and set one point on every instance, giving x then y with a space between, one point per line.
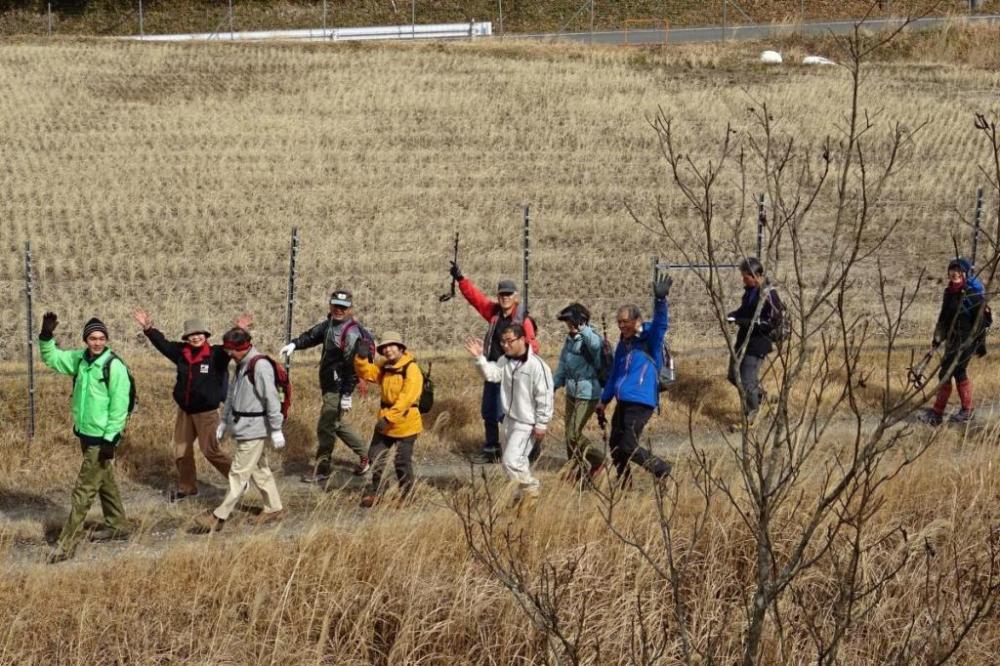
232 30
761 223
977 221
29 292
293 256
500 15
141 31
725 17
324 18
527 256
49 15
413 19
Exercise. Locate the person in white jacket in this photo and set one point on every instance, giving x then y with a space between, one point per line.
527 394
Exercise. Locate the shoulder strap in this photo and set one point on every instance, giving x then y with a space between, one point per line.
353 323
106 370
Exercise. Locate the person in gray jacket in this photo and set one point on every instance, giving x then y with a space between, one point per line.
338 334
578 372
252 415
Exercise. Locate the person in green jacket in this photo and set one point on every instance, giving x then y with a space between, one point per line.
100 408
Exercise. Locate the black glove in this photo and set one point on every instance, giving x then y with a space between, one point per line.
107 452
49 323
602 420
455 271
661 287
362 349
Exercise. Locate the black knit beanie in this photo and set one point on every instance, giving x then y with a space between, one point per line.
94 325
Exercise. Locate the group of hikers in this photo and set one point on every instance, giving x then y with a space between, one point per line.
518 393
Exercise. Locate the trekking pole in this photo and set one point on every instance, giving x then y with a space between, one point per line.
29 292
454 257
527 256
293 257
761 223
916 371
977 221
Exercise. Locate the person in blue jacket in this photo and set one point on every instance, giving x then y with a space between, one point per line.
961 328
578 372
634 383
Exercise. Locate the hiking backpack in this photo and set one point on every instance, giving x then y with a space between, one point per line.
425 402
781 325
133 394
282 384
605 360
366 338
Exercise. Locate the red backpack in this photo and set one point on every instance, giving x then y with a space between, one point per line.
281 381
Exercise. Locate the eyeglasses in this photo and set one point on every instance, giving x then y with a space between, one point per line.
509 341
623 322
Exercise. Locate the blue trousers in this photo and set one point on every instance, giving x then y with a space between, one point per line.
491 410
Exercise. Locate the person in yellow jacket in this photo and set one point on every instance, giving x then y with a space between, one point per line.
399 420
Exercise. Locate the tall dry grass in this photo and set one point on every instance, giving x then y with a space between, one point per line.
170 176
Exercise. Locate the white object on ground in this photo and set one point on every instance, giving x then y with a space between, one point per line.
817 60
770 58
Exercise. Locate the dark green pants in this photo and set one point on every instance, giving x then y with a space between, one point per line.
96 478
333 424
578 447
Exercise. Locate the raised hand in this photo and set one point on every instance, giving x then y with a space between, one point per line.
474 346
49 323
244 321
142 318
661 287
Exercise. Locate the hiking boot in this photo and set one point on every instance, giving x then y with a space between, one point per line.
315 476
106 533
962 416
206 523
266 518
485 457
368 501
175 495
536 451
364 464
930 417
57 556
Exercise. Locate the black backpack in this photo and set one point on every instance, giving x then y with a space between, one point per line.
426 401
133 395
780 325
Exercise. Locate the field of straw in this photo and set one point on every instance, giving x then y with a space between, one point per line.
170 177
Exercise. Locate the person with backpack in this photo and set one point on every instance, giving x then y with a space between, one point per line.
103 396
399 422
582 361
500 313
200 387
252 415
339 334
961 327
755 319
528 395
634 383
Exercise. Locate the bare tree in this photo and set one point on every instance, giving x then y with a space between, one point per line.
808 483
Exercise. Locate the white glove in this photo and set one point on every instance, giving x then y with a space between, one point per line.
286 351
346 402
220 432
278 440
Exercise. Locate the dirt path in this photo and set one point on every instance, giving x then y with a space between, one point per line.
29 524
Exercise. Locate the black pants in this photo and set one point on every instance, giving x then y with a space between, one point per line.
491 409
963 356
627 425
378 452
747 377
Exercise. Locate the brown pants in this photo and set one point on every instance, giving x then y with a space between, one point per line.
187 428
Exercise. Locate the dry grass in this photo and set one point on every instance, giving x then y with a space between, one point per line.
115 17
203 158
170 176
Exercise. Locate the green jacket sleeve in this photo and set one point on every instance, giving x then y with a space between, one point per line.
64 362
118 395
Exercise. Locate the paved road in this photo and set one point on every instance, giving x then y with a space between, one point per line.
740 32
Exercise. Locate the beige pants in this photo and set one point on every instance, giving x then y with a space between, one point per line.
518 440
187 429
249 466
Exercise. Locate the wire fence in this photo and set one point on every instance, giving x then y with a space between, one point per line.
143 17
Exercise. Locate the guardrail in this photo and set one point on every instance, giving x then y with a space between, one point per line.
470 30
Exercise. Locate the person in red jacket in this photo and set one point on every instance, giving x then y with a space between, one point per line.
500 313
202 378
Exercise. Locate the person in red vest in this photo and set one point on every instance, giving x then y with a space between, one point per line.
500 313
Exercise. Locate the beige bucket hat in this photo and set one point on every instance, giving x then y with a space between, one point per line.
192 326
390 338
